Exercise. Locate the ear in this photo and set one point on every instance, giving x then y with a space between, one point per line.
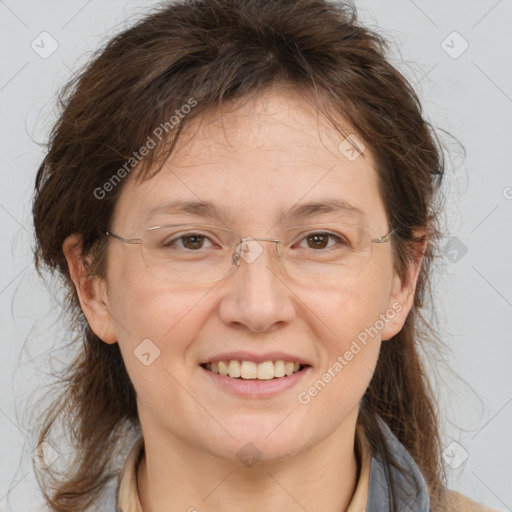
401 298
91 290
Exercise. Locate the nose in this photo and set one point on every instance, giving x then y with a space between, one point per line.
257 296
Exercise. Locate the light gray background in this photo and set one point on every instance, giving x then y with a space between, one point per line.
470 95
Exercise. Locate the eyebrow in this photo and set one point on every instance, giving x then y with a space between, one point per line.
205 209
300 211
330 205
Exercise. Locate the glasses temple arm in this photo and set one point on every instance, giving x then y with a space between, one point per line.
125 240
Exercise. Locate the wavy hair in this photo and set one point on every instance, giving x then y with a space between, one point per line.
218 51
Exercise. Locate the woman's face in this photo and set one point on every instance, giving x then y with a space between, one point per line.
254 164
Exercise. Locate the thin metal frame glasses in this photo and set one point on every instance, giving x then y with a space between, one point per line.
177 252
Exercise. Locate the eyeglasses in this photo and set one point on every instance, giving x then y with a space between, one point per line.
201 253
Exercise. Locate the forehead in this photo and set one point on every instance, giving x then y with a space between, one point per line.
261 160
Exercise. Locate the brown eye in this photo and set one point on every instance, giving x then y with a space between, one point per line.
318 240
192 241
323 240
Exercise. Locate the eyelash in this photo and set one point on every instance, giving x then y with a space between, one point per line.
339 238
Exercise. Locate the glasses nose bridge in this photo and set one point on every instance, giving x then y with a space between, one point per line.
250 253
260 239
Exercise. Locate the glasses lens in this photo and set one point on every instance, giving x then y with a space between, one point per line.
326 252
188 252
196 253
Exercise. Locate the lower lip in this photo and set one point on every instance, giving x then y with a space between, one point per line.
249 388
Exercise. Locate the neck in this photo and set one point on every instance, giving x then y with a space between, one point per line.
175 476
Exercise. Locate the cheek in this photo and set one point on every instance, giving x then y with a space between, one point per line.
155 323
349 308
141 305
350 342
152 311
349 320
157 343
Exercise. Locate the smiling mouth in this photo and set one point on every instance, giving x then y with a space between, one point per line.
249 370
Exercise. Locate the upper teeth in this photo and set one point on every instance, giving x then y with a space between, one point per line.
251 370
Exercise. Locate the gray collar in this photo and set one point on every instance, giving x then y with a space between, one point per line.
410 492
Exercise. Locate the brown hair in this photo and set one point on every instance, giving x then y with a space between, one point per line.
215 51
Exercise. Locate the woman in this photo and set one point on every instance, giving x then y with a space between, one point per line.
240 196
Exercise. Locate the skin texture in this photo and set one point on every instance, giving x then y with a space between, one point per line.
258 159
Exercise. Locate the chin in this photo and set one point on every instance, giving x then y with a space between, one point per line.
262 440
